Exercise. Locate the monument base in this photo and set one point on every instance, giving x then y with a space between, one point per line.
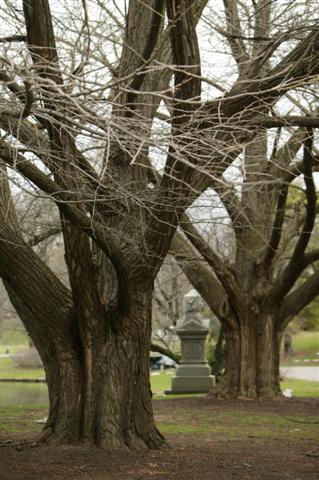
191 384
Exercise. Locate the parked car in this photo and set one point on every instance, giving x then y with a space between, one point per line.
161 362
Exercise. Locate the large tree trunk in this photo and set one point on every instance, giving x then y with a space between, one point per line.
252 358
112 409
98 384
99 391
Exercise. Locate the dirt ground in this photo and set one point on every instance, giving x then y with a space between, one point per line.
190 456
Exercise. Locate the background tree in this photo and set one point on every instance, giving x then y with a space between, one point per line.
255 294
257 291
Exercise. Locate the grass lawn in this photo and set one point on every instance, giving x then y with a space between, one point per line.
235 425
12 340
305 350
306 342
301 388
22 417
224 421
8 369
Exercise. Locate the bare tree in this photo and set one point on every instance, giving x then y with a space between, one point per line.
257 291
86 141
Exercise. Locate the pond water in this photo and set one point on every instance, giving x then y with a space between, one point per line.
19 393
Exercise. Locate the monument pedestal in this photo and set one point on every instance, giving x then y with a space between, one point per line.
193 375
192 383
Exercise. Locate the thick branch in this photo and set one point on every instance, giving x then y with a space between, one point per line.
221 268
64 201
311 201
298 299
40 38
165 351
300 66
13 38
175 183
202 278
296 264
155 24
234 34
186 56
277 226
248 98
288 121
311 257
28 276
41 43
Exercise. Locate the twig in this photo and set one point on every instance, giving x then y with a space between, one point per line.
298 421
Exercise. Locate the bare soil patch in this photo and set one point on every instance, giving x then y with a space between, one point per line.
289 449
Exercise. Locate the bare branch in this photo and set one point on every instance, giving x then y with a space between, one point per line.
227 194
300 65
41 237
13 38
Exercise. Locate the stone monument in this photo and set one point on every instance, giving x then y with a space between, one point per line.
193 375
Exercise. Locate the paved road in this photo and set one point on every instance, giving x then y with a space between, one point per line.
301 373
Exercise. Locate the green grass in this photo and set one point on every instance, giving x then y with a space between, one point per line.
301 388
13 340
8 369
305 350
233 425
224 423
306 343
229 424
12 348
22 418
162 381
